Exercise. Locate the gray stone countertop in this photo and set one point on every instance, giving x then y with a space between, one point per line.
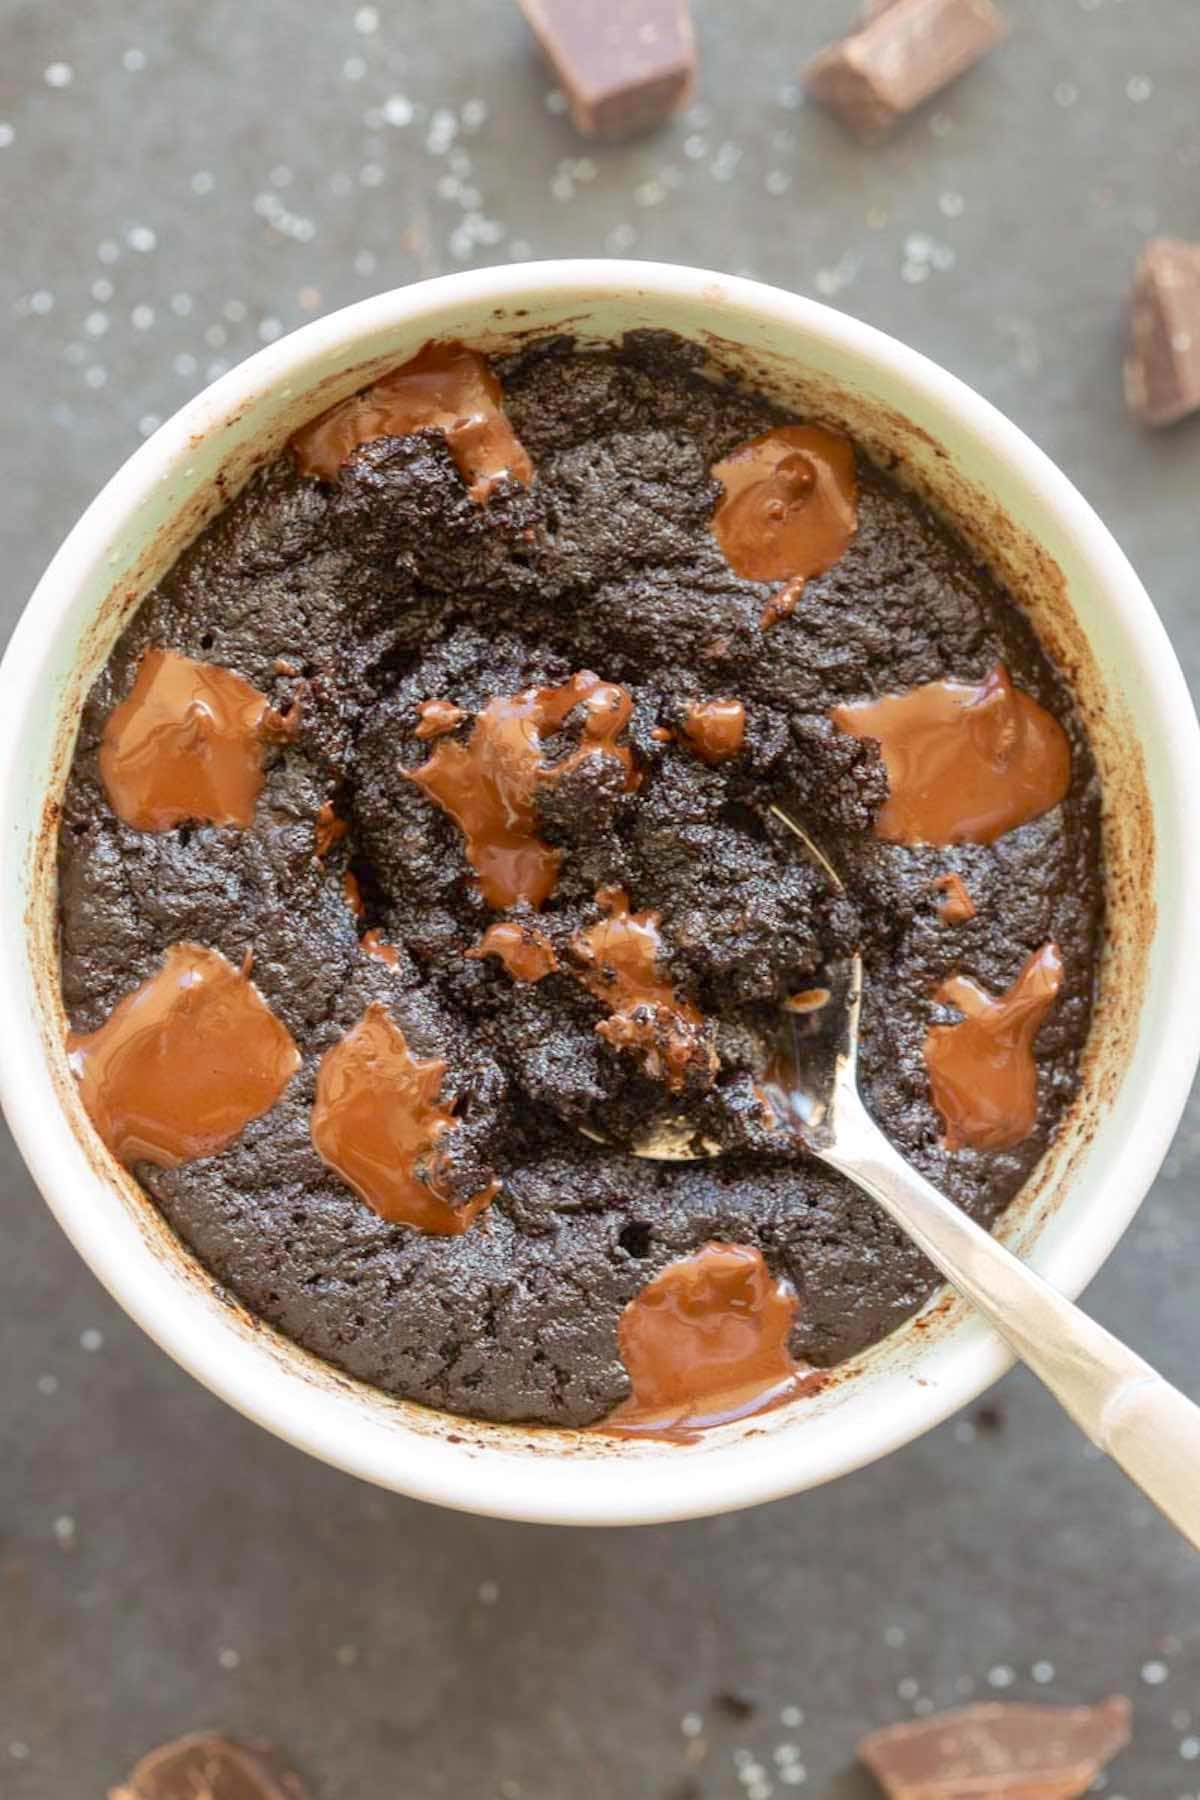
179 184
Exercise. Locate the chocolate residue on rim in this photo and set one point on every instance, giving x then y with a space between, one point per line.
352 894
184 1062
965 761
706 1342
378 1122
488 785
789 508
982 1071
445 387
185 744
620 965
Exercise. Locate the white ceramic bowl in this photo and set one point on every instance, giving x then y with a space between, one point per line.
1093 616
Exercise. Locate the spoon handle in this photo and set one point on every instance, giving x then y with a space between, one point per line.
1147 1426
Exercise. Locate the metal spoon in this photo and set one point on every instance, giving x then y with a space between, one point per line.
1147 1426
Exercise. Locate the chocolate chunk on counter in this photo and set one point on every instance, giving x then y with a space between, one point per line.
624 65
205 1767
1004 1752
1162 369
906 52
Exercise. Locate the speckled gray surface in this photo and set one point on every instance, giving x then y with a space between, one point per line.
178 184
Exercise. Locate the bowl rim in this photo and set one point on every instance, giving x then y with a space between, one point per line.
673 1486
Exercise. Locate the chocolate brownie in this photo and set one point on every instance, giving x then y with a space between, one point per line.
391 603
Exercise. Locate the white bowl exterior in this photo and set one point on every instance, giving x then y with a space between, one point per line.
902 1387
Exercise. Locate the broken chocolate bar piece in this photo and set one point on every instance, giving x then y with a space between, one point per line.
998 1752
908 50
206 1767
624 65
1162 369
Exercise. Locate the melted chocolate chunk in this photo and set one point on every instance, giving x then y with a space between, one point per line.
329 829
525 951
489 785
186 744
374 944
965 763
352 894
445 388
706 1342
981 1071
715 729
377 1120
184 1062
620 965
998 1752
438 717
788 510
956 905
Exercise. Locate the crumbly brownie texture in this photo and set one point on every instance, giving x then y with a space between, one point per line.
363 598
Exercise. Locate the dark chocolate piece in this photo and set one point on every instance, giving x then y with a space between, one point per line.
206 1767
1162 369
907 51
624 65
998 1752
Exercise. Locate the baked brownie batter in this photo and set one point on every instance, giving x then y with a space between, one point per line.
438 773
